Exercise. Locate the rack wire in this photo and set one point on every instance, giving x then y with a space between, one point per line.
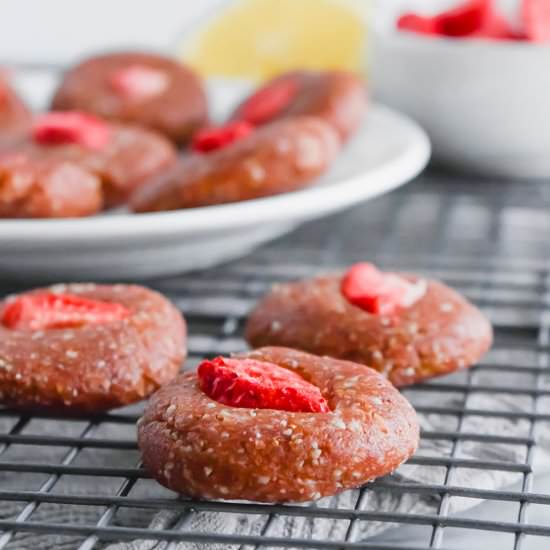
78 483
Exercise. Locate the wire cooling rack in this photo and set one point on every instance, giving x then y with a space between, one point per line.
77 482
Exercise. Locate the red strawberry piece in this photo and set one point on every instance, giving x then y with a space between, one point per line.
211 139
139 82
380 293
48 310
71 127
251 384
465 19
536 20
269 101
418 23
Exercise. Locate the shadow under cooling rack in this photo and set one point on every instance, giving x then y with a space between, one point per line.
77 482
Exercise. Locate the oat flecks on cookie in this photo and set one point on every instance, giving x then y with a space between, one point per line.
197 446
284 156
438 333
47 188
86 347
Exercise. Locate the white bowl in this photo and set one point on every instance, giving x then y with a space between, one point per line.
485 104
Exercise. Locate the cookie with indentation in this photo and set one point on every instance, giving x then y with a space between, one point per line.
338 97
407 327
138 88
87 347
275 425
123 157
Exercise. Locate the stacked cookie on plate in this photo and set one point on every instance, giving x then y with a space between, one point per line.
133 129
311 411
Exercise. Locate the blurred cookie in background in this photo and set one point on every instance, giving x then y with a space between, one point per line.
145 89
15 116
338 97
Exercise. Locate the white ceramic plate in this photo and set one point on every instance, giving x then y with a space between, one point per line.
388 151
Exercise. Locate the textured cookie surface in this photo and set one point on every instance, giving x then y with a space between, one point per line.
281 157
177 110
338 97
92 366
127 159
440 333
46 188
195 445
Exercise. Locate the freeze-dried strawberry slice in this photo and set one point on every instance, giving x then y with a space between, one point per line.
381 293
496 26
70 127
269 101
418 23
139 81
211 139
464 19
49 310
536 20
474 18
247 383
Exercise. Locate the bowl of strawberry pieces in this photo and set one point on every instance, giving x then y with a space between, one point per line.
475 77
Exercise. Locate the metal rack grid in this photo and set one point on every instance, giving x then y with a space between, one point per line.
77 482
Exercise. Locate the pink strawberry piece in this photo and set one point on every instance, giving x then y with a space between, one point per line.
48 310
139 82
247 383
418 23
380 293
464 19
211 139
536 20
268 102
71 127
496 27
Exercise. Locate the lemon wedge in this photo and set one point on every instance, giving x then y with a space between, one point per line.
257 39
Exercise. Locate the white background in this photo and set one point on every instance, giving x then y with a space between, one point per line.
61 30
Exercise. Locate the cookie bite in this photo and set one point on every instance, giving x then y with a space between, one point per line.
275 425
123 157
15 117
338 97
238 162
406 327
138 88
87 347
46 188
